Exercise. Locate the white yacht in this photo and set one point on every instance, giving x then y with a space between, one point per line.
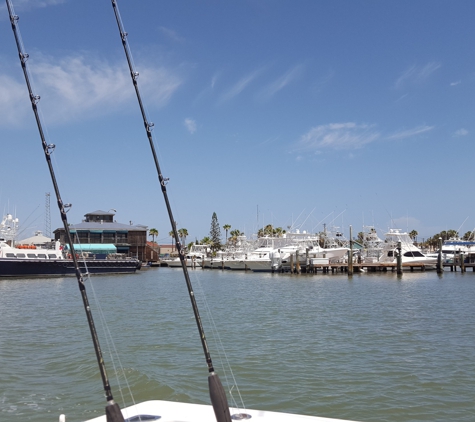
193 258
410 253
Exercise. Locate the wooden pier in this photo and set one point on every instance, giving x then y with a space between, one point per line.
375 267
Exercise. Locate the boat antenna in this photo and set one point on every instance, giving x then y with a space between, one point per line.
112 409
460 228
216 390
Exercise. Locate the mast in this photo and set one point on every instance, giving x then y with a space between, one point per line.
112 409
217 393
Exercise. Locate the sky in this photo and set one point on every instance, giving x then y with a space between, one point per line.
295 114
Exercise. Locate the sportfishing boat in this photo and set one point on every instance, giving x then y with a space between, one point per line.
410 253
151 410
455 247
372 245
278 253
193 258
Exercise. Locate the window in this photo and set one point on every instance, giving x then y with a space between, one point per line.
31 255
52 256
11 255
95 237
121 237
413 254
42 255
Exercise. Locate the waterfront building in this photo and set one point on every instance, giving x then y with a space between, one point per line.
99 227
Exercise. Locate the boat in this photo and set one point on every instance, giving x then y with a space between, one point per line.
372 245
410 253
31 261
278 253
454 248
167 411
39 256
193 258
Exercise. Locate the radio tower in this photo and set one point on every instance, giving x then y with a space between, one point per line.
47 215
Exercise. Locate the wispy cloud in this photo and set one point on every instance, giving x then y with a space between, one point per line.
324 81
281 82
416 74
190 124
240 86
455 83
14 101
77 87
22 5
170 33
461 132
338 136
409 132
349 136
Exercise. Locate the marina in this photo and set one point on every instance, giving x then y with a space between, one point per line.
360 346
373 347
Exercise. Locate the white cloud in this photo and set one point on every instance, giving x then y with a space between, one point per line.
240 86
338 136
32 4
349 136
455 83
170 33
190 124
461 132
14 101
409 132
416 74
77 87
282 82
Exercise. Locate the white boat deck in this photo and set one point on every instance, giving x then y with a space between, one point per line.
185 412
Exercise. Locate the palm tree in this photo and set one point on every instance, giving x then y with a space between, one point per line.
413 235
182 233
226 227
172 235
153 233
234 235
205 241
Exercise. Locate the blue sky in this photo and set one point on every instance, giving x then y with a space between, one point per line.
265 111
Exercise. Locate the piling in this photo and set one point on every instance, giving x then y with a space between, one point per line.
399 259
297 262
350 255
307 261
440 268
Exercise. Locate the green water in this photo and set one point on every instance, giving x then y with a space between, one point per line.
371 348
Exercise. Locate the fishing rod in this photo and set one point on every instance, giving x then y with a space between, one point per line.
216 390
112 409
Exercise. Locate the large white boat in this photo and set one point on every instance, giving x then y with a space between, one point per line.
193 258
276 254
372 245
410 253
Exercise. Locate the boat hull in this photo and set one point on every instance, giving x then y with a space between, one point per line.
64 267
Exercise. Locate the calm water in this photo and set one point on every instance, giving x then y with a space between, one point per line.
371 348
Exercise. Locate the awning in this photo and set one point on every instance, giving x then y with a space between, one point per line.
94 247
